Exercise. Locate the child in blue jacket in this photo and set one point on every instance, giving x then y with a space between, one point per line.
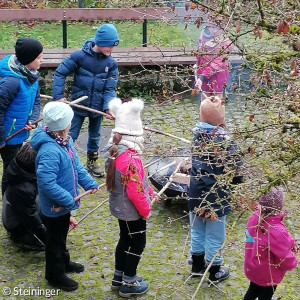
19 97
59 174
96 76
213 154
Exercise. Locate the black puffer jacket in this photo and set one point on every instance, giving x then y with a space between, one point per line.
20 210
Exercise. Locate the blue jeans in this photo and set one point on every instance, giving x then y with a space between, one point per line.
207 237
93 131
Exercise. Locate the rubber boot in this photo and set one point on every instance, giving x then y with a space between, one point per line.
198 264
92 166
63 282
218 273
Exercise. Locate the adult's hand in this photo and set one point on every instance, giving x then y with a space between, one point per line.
61 99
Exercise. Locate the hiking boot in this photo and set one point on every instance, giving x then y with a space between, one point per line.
74 267
63 282
198 265
128 290
117 282
91 165
218 274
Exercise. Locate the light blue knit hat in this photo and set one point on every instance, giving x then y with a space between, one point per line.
107 36
57 115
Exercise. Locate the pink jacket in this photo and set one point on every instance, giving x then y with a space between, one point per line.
268 254
213 66
131 198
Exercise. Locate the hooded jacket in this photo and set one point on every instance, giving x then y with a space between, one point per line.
131 198
268 254
210 147
58 171
213 65
19 101
95 76
19 206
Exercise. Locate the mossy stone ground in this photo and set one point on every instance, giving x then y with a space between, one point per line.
164 260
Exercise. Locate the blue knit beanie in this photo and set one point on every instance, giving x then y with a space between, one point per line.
107 36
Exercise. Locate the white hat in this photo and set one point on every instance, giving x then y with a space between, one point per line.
57 115
127 116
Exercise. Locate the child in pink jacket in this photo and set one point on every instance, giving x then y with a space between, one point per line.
270 251
130 194
211 68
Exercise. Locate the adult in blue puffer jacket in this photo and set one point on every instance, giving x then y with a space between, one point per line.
213 155
59 173
19 97
95 75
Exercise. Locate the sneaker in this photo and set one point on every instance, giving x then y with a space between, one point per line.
128 290
117 282
220 275
74 267
63 282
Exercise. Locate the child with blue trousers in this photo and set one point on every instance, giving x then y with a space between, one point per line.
59 173
96 76
209 198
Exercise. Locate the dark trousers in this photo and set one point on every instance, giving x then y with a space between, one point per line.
7 154
57 254
130 246
261 292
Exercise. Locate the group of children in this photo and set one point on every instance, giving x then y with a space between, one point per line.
269 249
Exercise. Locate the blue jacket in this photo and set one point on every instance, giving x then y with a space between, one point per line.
95 76
19 101
59 171
212 151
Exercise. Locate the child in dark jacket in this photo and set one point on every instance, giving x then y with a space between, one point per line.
20 209
59 174
270 251
129 194
209 197
19 97
96 76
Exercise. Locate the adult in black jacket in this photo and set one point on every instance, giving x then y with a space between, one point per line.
20 211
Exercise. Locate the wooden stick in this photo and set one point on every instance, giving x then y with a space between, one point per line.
168 183
90 212
167 134
40 119
45 96
57 209
162 168
20 130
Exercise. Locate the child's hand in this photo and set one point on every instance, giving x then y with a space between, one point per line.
110 116
94 191
155 197
29 126
295 248
73 223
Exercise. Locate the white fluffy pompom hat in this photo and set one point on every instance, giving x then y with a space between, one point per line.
127 116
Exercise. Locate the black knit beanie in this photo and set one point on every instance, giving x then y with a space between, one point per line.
27 50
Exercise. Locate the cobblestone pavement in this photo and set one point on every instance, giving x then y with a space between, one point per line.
164 261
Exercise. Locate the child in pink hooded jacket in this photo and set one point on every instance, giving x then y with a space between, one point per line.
270 251
130 194
211 68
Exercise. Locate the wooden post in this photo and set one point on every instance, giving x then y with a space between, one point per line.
145 33
81 3
64 28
